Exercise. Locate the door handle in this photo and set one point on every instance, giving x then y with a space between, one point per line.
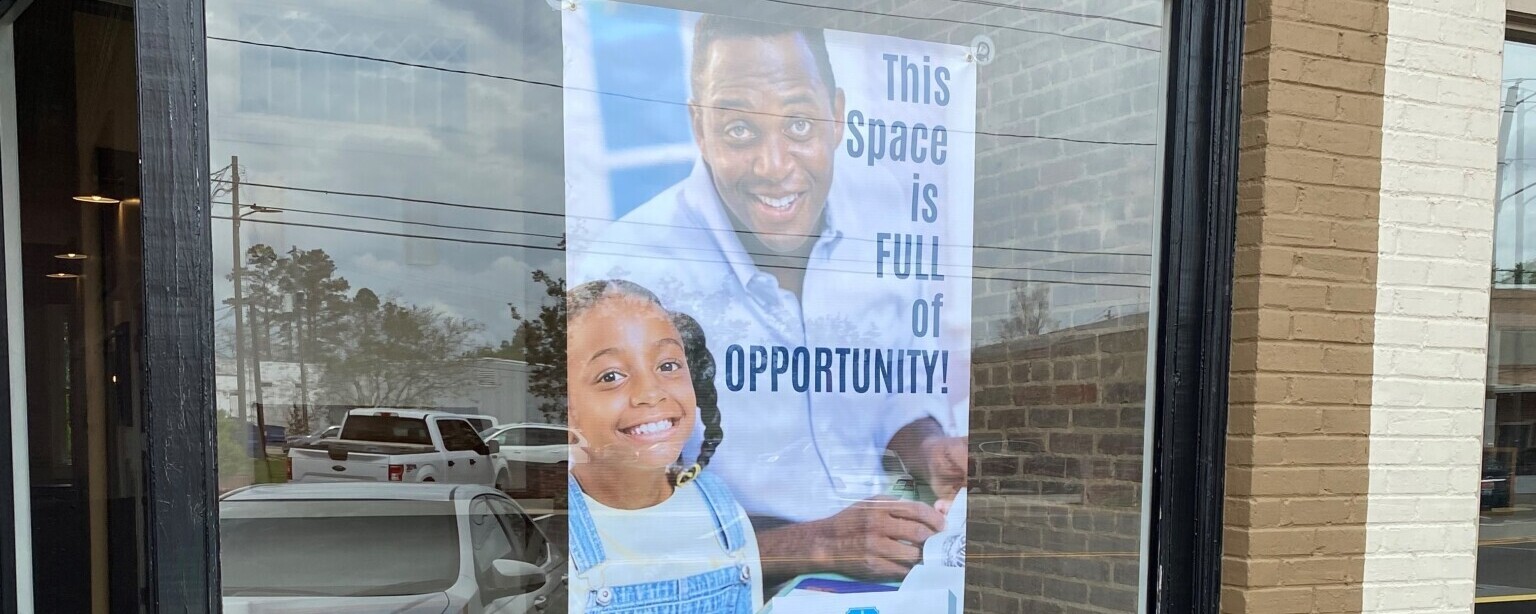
450 463
471 461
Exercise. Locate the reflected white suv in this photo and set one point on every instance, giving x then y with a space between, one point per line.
381 547
525 451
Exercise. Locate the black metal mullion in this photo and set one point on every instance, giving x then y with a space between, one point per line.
1194 332
181 476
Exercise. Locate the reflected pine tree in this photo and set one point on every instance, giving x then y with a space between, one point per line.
542 338
352 348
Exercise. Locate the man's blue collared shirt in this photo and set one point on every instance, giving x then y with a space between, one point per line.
798 456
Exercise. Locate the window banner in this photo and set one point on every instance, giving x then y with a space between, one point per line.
769 307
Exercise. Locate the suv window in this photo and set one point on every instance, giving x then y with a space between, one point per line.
547 437
529 539
511 437
458 435
488 536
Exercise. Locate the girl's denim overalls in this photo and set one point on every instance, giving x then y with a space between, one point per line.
727 590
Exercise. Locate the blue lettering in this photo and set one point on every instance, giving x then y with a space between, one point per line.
759 365
823 369
735 368
780 366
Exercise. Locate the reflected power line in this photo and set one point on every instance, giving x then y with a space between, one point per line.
458 205
632 255
749 254
973 24
640 98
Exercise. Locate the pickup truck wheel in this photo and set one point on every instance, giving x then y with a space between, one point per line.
429 480
503 482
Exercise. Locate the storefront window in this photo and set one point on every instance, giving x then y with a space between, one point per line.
1506 566
844 305
69 152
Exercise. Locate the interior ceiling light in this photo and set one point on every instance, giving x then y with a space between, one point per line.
63 275
71 256
97 199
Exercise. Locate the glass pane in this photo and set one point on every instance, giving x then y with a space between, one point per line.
320 548
888 251
458 435
546 437
1506 566
71 182
490 538
388 429
511 437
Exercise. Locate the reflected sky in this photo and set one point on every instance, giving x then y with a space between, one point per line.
413 99
1517 137
458 102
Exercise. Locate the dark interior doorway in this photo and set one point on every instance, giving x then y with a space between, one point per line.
77 151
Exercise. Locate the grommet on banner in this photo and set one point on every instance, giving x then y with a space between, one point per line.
982 50
562 5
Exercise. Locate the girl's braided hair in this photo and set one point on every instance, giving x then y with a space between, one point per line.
701 363
701 366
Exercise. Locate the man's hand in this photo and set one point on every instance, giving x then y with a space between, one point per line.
945 468
875 539
933 457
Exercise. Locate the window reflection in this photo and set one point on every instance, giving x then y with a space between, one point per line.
399 181
1507 525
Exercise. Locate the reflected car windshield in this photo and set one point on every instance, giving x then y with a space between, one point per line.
338 548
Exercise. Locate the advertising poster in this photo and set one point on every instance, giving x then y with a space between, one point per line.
768 302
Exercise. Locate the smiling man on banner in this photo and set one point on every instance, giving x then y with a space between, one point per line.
770 250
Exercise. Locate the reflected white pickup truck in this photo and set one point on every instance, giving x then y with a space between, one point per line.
397 445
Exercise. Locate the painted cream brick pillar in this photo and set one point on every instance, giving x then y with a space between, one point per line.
1439 158
1304 306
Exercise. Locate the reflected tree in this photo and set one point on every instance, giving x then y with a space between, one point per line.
261 274
1031 313
398 355
365 351
543 336
1521 274
298 420
516 349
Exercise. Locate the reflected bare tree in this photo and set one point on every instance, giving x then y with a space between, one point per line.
1030 313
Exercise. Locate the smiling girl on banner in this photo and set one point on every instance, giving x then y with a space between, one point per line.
647 532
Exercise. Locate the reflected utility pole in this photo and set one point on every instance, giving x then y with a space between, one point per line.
239 306
301 317
236 214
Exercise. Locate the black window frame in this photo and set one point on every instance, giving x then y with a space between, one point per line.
1193 331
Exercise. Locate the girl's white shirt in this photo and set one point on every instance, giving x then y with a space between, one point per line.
672 539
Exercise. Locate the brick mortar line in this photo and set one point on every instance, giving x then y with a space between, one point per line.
1321 120
1313 184
1270 20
